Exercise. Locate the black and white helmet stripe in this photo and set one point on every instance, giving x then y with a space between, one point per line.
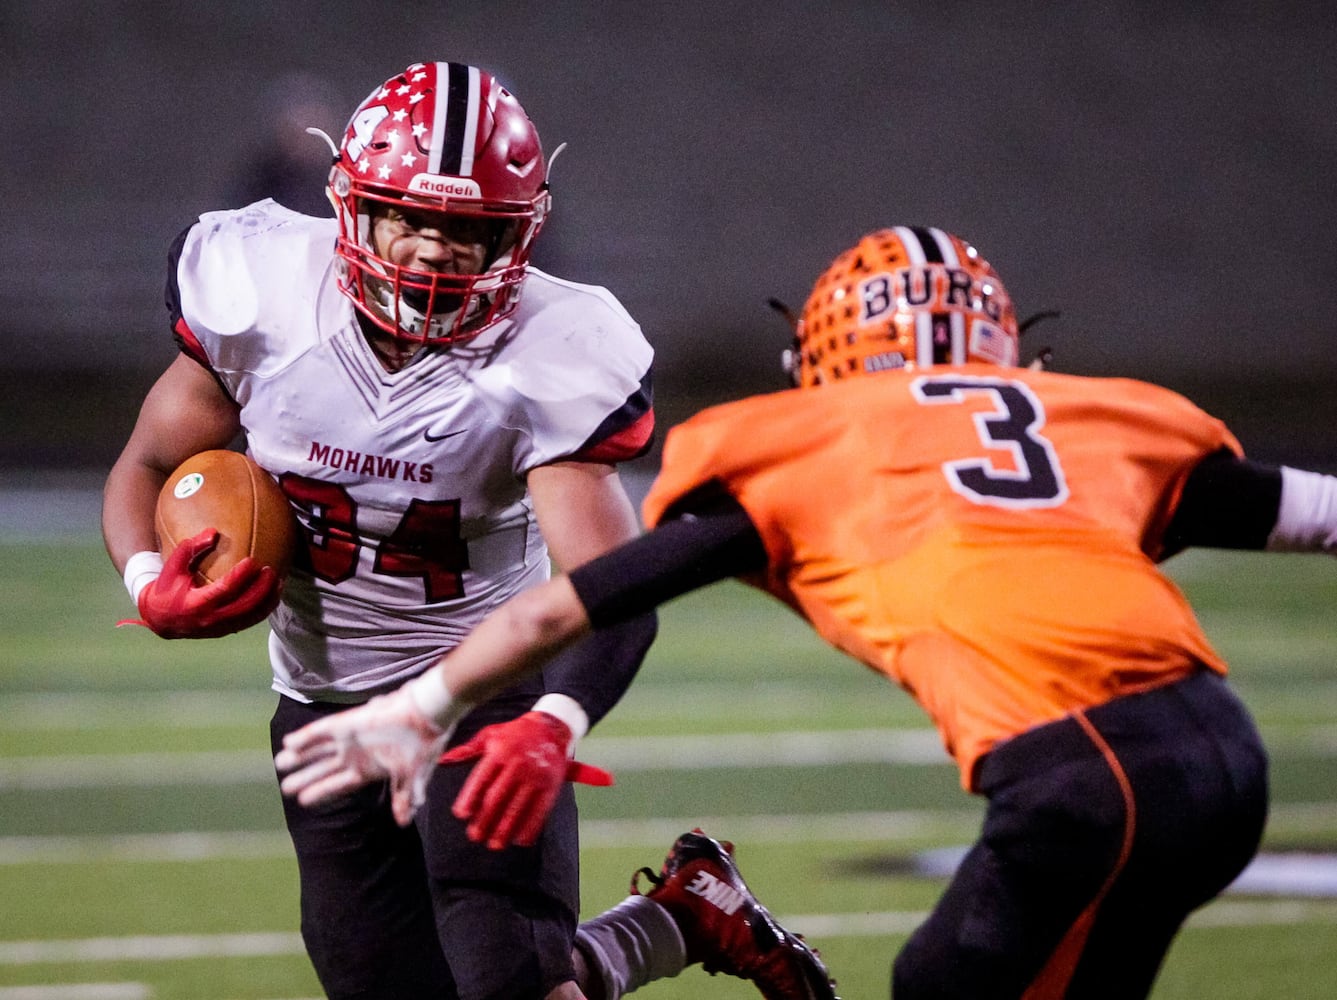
940 338
455 124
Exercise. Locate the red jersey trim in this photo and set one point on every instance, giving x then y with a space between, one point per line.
625 433
628 443
189 343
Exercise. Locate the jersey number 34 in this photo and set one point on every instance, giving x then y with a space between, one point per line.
426 543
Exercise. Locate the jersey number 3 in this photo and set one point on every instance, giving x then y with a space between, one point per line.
1036 478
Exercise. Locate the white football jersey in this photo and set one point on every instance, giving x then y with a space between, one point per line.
409 486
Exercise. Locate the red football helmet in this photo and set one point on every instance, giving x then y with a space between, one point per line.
444 138
908 297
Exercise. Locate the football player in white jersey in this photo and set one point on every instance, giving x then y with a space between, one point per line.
442 417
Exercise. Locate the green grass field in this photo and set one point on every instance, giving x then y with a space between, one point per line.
142 852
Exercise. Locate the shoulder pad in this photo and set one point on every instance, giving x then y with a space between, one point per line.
248 280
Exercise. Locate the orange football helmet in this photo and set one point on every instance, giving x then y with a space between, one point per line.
907 297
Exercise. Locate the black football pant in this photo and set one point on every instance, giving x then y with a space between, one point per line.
420 912
1103 832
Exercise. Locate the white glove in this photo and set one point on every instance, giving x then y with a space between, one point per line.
388 737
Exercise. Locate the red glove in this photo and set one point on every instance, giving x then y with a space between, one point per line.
175 607
521 767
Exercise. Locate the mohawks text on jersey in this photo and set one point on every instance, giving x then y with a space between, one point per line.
366 464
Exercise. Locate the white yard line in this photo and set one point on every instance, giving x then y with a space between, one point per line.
656 833
642 753
785 749
145 847
151 948
1264 913
210 767
815 926
58 711
913 747
78 991
1299 875
879 827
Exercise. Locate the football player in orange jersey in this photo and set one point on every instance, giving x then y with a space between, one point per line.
987 536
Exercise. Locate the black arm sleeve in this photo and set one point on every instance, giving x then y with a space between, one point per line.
711 539
598 670
1228 503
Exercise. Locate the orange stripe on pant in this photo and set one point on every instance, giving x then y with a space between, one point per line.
1052 982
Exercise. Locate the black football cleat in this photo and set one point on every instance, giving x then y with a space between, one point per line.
726 929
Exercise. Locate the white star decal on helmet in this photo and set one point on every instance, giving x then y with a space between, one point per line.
383 160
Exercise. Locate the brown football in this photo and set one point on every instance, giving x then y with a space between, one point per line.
226 490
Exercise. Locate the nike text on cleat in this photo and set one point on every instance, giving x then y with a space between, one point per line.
726 929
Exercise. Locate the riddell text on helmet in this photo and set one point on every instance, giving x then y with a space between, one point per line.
445 187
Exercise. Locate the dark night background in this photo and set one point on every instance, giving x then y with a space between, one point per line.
1159 172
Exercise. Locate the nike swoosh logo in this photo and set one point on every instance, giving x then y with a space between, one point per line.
441 437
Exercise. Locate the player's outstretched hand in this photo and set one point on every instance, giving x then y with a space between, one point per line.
387 738
521 767
175 607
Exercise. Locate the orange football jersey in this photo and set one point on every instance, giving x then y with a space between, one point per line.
985 537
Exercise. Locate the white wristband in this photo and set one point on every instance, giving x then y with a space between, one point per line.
141 569
1307 518
566 708
432 698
